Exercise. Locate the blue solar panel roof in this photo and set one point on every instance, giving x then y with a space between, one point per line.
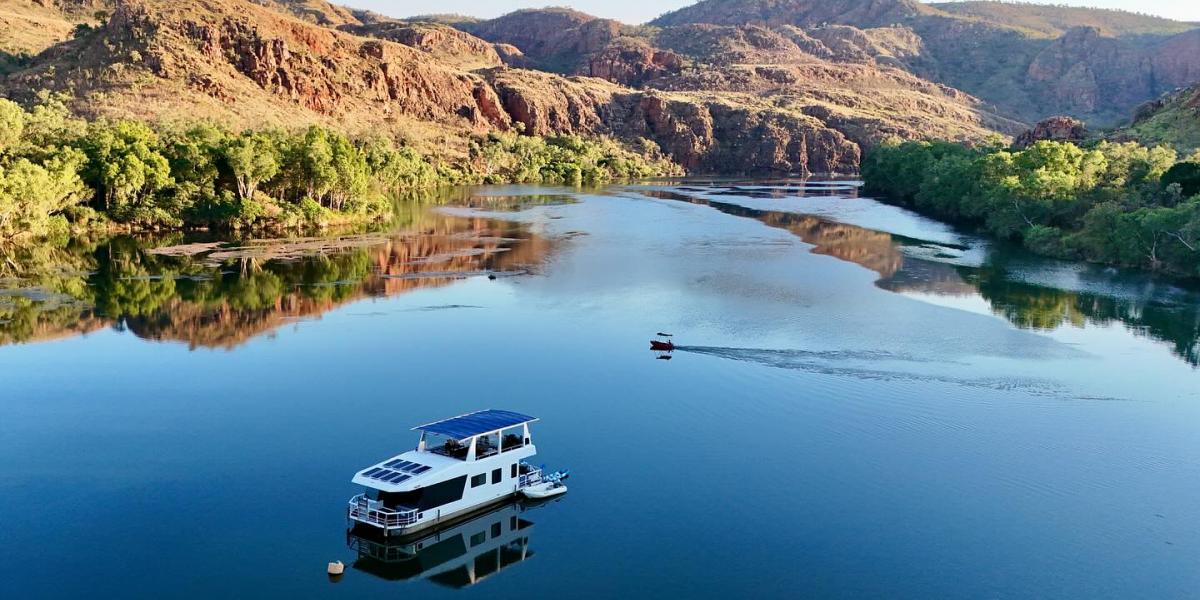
476 423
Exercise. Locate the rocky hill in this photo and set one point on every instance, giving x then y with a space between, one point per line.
860 13
1028 61
859 81
245 64
781 86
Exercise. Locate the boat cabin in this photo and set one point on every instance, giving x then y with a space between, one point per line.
460 464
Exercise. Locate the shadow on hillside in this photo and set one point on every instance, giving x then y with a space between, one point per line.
10 62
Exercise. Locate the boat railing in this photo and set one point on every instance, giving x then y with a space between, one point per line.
371 512
532 476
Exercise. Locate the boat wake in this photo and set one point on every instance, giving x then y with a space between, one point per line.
841 363
785 358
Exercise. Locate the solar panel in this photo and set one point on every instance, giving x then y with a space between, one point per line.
393 462
373 472
475 423
421 469
397 478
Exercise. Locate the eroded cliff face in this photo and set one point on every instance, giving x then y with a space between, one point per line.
632 62
705 134
1176 61
211 56
1086 71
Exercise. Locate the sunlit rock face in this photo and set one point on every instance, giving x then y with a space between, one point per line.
1054 129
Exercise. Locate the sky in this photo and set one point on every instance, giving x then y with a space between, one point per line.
640 11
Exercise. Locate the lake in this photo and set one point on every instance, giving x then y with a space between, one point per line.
863 402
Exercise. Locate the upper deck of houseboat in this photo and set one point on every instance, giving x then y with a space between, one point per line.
448 443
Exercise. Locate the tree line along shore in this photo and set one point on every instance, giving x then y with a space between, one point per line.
59 173
1121 204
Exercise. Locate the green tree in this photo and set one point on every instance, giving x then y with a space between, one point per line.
125 164
1186 175
12 124
351 174
253 158
316 163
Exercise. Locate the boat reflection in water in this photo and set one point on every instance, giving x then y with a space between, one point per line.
458 556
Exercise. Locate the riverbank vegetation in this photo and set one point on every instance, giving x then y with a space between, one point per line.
1114 203
59 173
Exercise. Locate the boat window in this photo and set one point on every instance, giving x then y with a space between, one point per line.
445 446
514 471
497 529
496 475
511 439
433 496
487 445
478 538
479 480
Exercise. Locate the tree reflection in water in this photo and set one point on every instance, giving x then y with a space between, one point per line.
1162 310
57 290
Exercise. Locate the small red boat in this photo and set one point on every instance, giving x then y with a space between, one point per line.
663 346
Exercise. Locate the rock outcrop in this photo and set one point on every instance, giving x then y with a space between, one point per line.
1054 129
560 40
446 44
704 135
632 62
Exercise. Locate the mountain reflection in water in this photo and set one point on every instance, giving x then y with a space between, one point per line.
220 295
1089 295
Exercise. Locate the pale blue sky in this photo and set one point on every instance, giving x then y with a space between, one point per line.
638 11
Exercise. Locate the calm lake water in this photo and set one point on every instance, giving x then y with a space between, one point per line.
864 403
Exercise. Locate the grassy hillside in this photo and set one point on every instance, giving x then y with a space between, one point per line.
1030 61
1173 120
28 27
1053 21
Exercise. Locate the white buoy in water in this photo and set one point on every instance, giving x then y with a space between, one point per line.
336 568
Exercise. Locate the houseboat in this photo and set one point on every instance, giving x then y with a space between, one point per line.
459 466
